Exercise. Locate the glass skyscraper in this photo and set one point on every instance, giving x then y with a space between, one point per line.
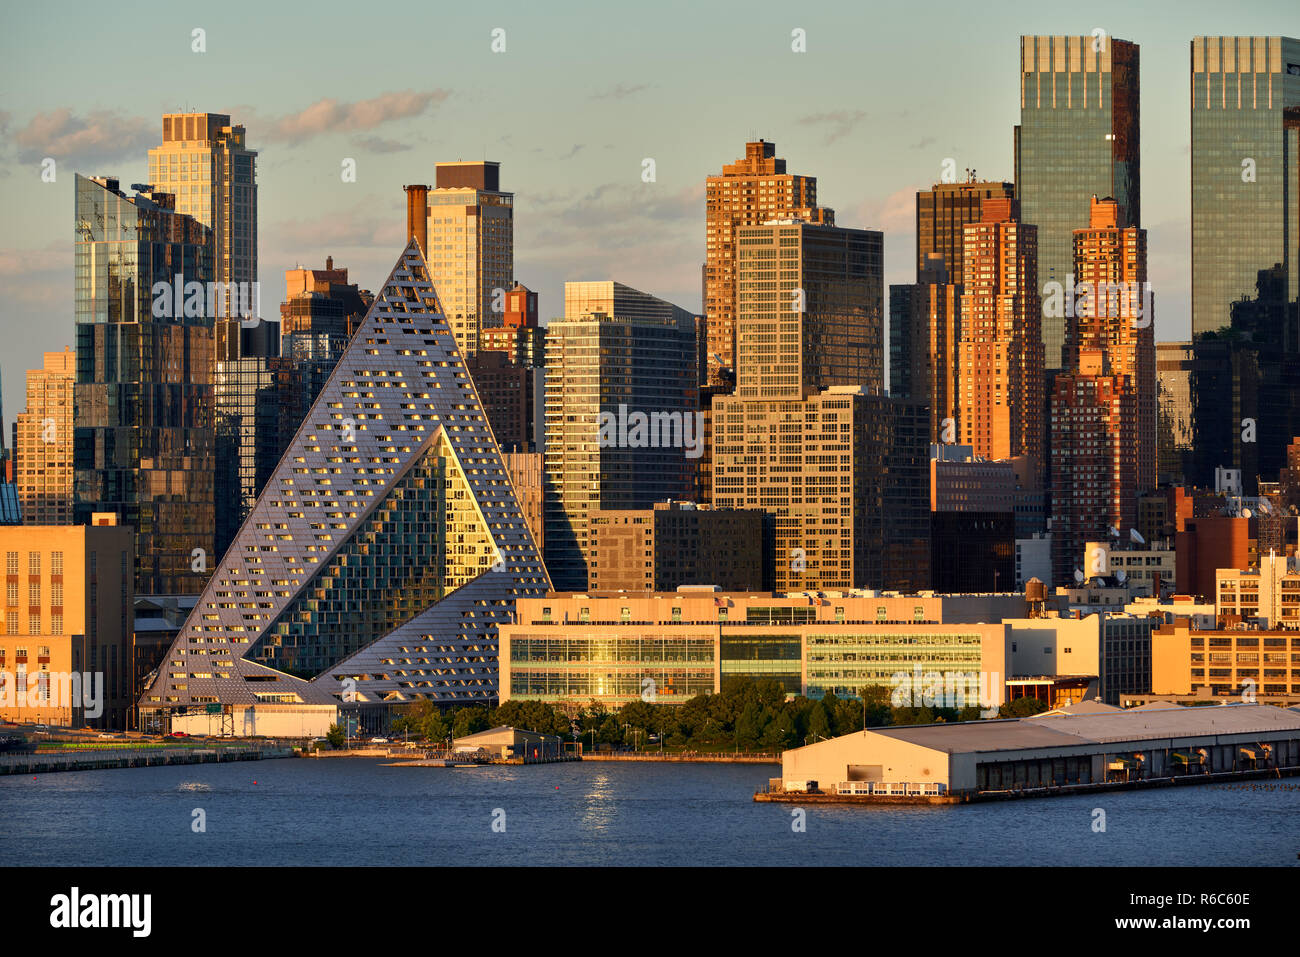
1077 138
1245 170
143 443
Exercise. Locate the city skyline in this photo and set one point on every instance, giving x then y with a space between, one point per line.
581 204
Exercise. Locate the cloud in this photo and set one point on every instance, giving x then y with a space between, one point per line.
578 147
331 116
923 143
839 122
621 92
896 213
377 144
99 137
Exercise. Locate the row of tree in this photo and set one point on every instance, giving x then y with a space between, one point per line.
746 715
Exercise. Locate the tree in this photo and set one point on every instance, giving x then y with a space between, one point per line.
335 736
1022 708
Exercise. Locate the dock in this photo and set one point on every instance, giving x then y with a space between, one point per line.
42 762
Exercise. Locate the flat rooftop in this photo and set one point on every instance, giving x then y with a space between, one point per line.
1062 729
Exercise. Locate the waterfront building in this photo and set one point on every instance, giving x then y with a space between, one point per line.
380 558
69 591
1236 664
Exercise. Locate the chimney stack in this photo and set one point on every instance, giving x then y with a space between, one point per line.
417 213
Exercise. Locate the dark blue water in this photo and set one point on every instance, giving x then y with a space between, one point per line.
355 811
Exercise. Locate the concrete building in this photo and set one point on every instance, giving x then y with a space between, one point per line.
673 544
1150 569
205 163
1034 559
1090 743
751 191
1236 664
1078 136
1267 596
575 647
527 474
67 612
144 443
506 744
1126 656
622 422
382 554
43 442
470 231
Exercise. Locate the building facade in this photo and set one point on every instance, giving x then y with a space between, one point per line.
43 442
144 445
942 212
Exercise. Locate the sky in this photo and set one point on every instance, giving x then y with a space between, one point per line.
582 94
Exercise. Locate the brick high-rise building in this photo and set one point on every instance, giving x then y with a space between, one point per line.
999 401
203 161
1104 407
1078 137
749 192
43 442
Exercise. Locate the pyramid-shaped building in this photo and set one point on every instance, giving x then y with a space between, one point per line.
381 555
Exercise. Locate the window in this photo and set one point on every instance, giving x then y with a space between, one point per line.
11 563
625 614
56 563
677 614
33 563
546 614
584 614
839 612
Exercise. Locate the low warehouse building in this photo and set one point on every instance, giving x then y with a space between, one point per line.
1088 743
505 743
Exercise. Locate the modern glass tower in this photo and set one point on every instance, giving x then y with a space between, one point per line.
1245 171
385 549
1077 138
143 430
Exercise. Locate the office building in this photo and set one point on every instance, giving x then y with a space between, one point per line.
673 544
622 422
942 212
381 556
67 611
1078 137
1260 664
205 163
143 427
749 192
1175 434
43 442
924 332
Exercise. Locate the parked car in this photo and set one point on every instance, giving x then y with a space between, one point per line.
378 740
179 734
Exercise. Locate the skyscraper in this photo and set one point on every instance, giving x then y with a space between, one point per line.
43 442
622 423
941 213
1078 137
1103 415
924 332
143 430
1245 167
471 246
999 402
203 161
749 192
388 530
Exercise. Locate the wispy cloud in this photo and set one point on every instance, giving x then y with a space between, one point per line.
100 136
621 92
333 116
377 144
577 148
838 123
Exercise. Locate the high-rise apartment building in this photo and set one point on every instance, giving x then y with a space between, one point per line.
1245 167
143 429
749 192
1103 410
999 400
942 212
809 309
622 413
205 163
1078 137
381 556
924 332
43 442
470 232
